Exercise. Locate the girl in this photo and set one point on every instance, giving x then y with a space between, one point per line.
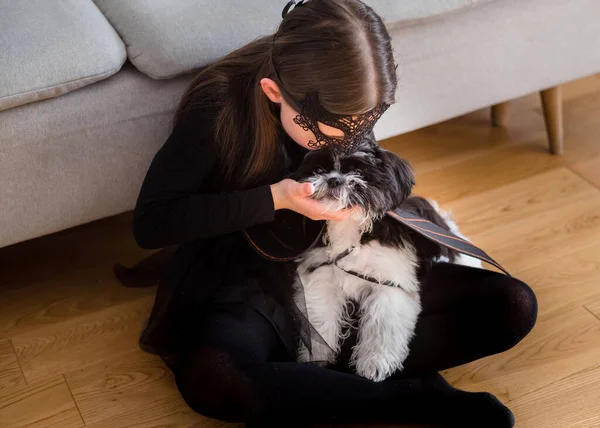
245 122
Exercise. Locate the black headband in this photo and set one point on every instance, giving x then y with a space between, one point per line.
290 6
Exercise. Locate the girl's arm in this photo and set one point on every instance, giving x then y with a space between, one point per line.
170 210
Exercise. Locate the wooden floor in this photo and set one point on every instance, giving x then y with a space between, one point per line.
68 332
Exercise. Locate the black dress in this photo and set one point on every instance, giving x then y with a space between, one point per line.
181 203
230 340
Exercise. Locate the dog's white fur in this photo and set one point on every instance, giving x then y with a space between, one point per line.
461 259
388 315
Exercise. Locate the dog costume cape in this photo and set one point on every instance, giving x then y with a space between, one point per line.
292 234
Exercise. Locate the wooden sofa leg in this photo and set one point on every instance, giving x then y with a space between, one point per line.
553 116
500 114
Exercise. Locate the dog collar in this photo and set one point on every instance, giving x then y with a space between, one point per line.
368 278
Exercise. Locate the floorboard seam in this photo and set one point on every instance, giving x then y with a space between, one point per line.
583 177
593 314
74 401
12 345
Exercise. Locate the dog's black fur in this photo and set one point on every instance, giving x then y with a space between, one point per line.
390 182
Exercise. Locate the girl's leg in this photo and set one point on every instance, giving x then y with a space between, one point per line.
468 314
241 373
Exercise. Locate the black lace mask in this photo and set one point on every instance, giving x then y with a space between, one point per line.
312 112
354 129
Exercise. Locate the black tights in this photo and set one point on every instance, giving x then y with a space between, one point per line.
242 373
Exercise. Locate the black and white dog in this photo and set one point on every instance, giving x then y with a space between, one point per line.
368 259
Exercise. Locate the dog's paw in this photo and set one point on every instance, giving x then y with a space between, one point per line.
375 369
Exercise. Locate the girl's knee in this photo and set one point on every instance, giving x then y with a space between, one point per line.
526 308
212 384
520 312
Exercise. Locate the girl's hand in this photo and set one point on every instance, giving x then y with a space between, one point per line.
292 195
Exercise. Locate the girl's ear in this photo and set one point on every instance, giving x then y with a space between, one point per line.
271 89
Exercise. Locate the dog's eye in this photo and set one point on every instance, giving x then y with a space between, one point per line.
348 167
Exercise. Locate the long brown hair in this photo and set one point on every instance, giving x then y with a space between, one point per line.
339 48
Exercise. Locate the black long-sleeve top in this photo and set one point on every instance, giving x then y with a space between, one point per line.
182 203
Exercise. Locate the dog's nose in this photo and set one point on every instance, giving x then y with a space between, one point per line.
335 181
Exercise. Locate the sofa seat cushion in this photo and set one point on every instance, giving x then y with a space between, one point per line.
48 48
166 39
83 156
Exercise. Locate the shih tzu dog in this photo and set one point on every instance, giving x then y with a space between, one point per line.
368 261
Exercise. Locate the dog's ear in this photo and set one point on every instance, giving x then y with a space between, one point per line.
401 174
310 162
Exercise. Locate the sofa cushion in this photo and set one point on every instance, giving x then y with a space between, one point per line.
165 39
48 48
82 156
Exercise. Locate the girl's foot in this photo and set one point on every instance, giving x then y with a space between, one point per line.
485 410
469 409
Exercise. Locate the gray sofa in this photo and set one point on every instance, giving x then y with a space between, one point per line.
88 88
